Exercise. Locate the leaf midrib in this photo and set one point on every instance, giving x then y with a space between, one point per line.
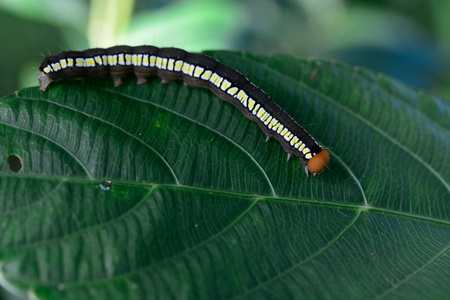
204 242
152 187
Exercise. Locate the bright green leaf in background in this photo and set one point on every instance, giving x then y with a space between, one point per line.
164 191
409 41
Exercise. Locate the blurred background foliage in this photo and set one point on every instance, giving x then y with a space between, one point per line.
406 39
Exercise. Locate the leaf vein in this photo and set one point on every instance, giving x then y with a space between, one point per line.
307 260
202 125
120 129
55 143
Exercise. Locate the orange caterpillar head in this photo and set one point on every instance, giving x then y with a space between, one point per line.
318 163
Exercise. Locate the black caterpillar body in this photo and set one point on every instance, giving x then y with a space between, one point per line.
196 70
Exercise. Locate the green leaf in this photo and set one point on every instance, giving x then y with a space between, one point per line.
165 191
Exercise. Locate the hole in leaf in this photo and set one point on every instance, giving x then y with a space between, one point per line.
14 163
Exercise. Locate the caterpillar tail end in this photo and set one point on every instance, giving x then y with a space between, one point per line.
319 162
44 80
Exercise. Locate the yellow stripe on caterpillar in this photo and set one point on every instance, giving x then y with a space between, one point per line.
152 61
255 110
159 62
47 69
232 91
218 81
121 59
198 71
97 59
225 85
294 140
272 123
191 70
128 61
178 65
207 75
251 103
90 62
145 60
79 62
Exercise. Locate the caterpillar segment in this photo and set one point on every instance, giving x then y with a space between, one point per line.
195 70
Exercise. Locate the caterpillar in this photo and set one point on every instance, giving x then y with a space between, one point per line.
196 70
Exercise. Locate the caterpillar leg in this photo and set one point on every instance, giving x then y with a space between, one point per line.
307 171
117 81
44 80
141 80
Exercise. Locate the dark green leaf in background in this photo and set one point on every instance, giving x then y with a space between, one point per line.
165 191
